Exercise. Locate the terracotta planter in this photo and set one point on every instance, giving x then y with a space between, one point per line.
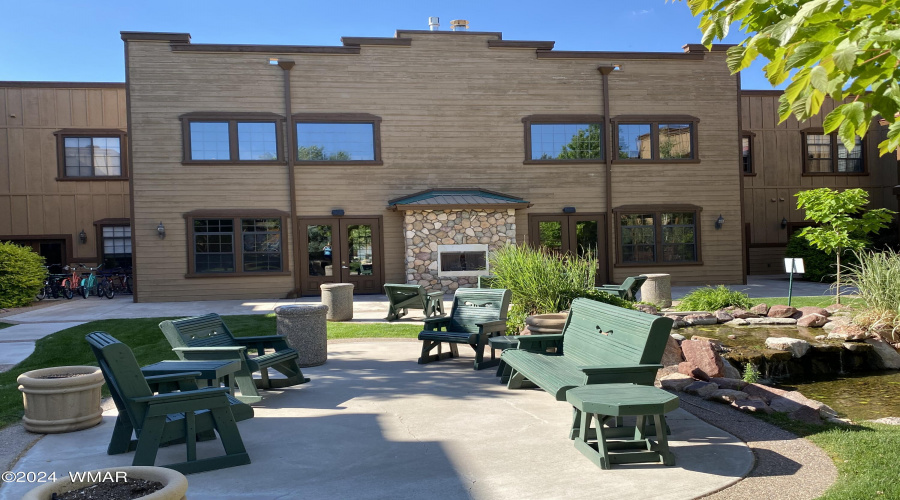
174 483
543 324
63 404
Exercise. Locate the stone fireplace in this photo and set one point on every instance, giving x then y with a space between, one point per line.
443 246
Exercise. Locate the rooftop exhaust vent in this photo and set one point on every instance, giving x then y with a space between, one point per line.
434 23
459 24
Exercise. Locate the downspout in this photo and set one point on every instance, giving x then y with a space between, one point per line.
607 155
292 186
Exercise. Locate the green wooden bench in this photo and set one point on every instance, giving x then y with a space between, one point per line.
476 315
207 337
627 290
598 404
600 344
403 297
188 415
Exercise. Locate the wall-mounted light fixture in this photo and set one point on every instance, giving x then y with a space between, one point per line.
568 210
161 230
337 212
82 236
720 221
783 222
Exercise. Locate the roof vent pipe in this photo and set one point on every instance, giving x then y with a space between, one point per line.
459 24
434 23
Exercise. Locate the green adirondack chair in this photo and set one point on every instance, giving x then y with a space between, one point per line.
207 337
627 290
156 420
476 315
403 297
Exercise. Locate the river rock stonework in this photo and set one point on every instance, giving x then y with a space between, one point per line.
426 229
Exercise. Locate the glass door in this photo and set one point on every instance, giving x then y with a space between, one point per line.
572 234
340 250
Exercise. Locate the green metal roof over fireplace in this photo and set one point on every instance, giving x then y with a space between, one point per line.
438 199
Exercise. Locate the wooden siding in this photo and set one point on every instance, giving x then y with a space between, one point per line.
777 151
451 111
32 201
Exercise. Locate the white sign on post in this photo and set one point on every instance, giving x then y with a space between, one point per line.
794 266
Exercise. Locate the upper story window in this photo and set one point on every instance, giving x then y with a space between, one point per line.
652 138
747 154
337 138
826 154
224 243
91 154
232 138
560 138
663 235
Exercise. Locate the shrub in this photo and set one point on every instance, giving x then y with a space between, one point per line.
542 282
711 299
22 275
751 374
876 276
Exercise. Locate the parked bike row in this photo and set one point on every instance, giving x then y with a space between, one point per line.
79 279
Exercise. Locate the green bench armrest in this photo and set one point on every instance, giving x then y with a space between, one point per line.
173 397
627 374
590 370
492 326
227 348
236 352
436 323
539 342
261 338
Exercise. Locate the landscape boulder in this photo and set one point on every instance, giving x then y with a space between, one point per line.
729 383
677 320
848 331
692 371
738 322
676 382
702 355
752 404
647 308
771 321
722 316
814 310
700 319
742 314
812 320
759 309
781 312
727 395
730 372
672 355
797 347
886 357
702 389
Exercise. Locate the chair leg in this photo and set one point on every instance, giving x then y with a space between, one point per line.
291 370
149 441
121 441
428 345
247 386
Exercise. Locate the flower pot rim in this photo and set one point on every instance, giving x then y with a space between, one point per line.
88 375
175 485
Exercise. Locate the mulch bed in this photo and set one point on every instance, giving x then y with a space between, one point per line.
112 490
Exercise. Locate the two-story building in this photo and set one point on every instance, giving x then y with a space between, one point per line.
264 171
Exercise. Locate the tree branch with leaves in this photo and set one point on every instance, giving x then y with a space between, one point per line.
846 49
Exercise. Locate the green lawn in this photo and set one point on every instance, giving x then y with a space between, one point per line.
68 347
866 456
815 300
5 325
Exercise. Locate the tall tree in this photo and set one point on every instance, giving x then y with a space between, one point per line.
586 143
840 48
842 223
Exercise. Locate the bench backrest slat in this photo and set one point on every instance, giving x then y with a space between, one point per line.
478 305
200 331
602 334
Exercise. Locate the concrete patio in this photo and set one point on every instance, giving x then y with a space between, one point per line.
374 424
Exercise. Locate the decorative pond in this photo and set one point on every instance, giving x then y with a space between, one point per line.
833 372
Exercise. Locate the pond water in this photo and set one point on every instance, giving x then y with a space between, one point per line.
856 395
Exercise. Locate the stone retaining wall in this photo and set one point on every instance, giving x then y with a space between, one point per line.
426 229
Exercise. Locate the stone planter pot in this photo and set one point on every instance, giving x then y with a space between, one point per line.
544 324
305 329
175 485
57 403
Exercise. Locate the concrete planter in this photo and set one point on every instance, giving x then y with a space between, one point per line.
55 402
174 483
545 324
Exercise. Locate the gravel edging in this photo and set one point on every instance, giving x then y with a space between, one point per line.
787 467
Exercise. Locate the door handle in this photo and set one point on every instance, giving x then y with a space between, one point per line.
345 267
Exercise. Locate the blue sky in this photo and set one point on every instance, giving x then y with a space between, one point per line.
79 40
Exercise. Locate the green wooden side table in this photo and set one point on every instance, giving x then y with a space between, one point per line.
502 342
595 404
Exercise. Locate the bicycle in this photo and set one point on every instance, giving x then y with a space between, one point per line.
70 283
118 280
52 283
90 284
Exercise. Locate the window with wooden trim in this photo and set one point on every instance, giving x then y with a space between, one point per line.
662 138
235 245
91 154
663 236
116 244
232 138
747 154
826 154
562 138
328 138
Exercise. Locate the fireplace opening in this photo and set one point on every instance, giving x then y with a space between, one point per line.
462 260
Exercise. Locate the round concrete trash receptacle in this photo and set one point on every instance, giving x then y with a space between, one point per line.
657 290
305 329
339 299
